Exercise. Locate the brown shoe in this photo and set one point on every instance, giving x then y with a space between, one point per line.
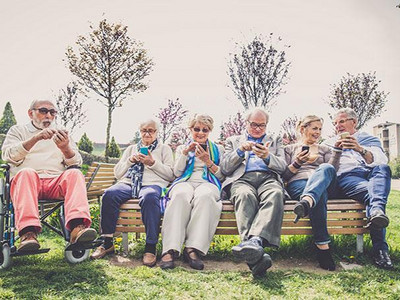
101 252
80 234
29 242
149 259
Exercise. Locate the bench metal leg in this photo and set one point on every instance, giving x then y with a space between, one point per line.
360 243
125 243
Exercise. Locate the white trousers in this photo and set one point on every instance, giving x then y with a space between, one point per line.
191 216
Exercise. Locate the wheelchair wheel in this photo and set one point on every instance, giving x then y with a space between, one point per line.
76 256
5 257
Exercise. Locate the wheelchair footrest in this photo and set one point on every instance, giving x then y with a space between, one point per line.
40 251
82 246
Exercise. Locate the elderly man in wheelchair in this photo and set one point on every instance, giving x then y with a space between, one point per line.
42 162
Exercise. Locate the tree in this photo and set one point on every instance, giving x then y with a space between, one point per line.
113 149
85 144
111 64
179 137
170 117
70 107
361 93
258 72
288 131
8 119
234 126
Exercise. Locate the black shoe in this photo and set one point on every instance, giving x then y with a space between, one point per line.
260 268
378 219
325 259
250 251
301 209
170 264
382 260
195 263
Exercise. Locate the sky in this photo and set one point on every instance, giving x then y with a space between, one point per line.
190 42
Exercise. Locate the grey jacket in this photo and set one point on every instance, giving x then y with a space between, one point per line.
233 166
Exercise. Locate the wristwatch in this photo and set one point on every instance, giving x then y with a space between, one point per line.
363 152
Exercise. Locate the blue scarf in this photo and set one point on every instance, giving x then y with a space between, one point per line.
207 175
135 172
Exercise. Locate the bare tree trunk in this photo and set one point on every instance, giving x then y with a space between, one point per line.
108 132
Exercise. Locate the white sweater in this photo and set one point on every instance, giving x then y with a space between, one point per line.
161 173
44 157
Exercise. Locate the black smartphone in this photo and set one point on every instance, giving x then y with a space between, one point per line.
259 145
204 146
305 148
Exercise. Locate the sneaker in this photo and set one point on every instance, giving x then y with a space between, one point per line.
260 268
378 219
382 260
250 251
80 234
29 242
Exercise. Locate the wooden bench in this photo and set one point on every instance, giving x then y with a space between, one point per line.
345 216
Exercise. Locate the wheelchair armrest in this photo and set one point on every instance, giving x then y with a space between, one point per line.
5 166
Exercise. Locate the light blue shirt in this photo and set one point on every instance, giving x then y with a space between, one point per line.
254 163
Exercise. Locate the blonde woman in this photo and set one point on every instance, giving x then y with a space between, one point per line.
309 175
194 208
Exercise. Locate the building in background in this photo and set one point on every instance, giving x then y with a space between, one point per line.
389 134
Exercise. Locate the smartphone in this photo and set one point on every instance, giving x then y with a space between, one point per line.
144 150
305 148
259 145
204 146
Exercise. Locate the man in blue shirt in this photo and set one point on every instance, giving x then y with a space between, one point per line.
252 164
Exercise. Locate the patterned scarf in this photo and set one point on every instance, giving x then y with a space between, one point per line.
135 172
207 175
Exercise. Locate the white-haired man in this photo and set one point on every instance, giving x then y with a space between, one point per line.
39 154
364 175
252 165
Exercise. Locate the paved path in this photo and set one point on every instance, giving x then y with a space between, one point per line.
396 184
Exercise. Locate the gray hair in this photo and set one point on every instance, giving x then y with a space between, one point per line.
204 119
351 114
149 121
257 110
34 102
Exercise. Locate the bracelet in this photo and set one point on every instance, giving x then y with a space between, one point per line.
296 165
211 166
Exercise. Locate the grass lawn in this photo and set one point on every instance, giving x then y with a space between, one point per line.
48 276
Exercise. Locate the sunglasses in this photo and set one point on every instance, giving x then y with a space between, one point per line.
150 131
45 111
204 130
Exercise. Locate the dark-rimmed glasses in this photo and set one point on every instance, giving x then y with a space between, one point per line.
45 111
255 125
204 130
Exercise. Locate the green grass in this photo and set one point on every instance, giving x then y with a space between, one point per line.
48 276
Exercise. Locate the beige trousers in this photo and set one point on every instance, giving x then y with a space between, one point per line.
191 216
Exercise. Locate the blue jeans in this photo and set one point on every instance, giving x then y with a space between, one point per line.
370 186
118 194
317 186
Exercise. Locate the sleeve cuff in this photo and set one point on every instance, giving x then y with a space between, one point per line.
240 152
267 160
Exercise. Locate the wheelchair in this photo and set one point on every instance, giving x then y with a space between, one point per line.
73 253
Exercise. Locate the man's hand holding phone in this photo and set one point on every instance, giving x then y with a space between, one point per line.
262 151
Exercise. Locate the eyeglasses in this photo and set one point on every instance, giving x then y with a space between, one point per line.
45 111
197 129
149 131
255 125
341 122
